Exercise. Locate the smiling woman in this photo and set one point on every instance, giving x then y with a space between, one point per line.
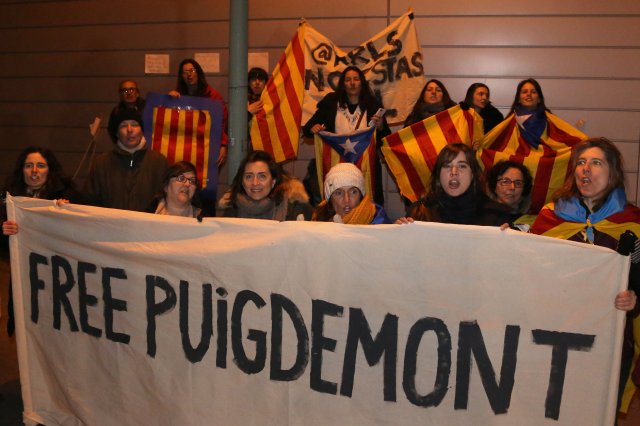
262 190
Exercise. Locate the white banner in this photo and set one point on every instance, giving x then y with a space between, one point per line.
127 318
391 61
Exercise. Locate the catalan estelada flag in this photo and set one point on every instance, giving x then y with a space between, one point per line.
186 129
358 148
276 129
411 153
548 162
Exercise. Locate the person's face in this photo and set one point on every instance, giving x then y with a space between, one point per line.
592 174
130 133
189 74
35 171
433 94
345 199
456 176
528 96
257 180
352 83
257 86
509 187
480 97
129 92
181 188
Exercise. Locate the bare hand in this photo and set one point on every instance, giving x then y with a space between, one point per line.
61 201
9 227
255 107
377 121
404 220
222 156
174 94
625 300
317 128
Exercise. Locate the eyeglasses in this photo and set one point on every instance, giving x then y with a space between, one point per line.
127 90
507 182
189 71
182 179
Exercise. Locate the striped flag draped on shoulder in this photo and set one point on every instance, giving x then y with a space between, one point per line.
276 129
548 163
411 153
358 148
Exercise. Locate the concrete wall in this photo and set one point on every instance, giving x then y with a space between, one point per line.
61 61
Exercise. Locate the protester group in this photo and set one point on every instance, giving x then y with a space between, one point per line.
591 207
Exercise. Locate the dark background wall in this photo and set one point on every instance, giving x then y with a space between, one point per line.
61 61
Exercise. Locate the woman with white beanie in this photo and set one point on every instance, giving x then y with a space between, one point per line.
346 200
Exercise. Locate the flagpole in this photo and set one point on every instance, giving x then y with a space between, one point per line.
238 53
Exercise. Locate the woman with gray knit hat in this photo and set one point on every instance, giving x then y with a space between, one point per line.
346 200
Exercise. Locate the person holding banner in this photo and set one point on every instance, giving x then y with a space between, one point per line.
37 174
350 108
346 199
192 82
477 97
180 192
592 208
434 98
456 191
262 190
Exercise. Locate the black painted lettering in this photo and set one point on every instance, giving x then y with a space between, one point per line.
561 343
206 327
249 366
435 397
416 61
154 309
320 343
35 282
280 304
222 323
385 343
395 42
111 304
61 291
85 299
470 340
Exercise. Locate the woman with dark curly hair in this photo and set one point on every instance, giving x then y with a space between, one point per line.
37 174
192 82
180 192
434 98
509 186
262 190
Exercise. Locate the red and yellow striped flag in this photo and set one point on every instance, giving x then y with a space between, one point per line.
181 135
411 153
327 157
276 129
548 163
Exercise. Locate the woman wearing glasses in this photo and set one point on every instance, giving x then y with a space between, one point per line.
180 192
192 82
508 185
262 190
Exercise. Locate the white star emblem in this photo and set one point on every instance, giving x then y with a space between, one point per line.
348 146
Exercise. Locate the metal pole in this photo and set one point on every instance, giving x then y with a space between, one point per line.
238 53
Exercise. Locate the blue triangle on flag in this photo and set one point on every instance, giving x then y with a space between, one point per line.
350 146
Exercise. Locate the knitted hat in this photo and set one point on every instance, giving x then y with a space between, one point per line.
120 115
343 174
257 74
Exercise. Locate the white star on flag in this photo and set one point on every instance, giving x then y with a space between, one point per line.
348 146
